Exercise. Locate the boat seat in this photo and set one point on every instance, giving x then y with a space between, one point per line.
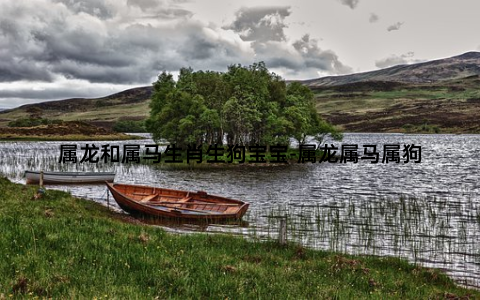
148 198
185 199
231 210
141 194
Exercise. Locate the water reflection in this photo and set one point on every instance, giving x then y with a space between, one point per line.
349 207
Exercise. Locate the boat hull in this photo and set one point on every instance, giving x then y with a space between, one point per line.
69 177
187 211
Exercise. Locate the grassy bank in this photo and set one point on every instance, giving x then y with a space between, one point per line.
64 247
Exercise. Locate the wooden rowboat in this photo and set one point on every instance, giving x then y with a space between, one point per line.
69 177
181 205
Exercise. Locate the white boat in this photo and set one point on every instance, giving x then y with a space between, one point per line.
69 177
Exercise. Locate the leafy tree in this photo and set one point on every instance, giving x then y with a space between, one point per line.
245 105
128 126
179 120
161 88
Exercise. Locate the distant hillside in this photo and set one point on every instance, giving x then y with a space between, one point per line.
451 106
131 104
456 67
131 96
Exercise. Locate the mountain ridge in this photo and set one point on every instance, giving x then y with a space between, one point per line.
460 66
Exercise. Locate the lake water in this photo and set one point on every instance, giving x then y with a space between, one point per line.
427 212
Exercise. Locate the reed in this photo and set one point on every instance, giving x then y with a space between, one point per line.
423 230
63 247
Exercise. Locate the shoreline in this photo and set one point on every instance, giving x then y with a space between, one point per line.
62 246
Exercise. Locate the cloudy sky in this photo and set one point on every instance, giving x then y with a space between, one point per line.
56 49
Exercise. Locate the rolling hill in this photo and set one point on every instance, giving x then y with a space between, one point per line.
436 96
132 104
451 106
434 71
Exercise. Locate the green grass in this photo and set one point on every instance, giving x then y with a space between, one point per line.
110 113
63 247
423 94
451 105
358 105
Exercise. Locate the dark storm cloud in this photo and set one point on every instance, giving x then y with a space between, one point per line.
46 38
304 56
265 28
15 69
395 26
198 48
351 3
80 45
18 54
204 51
74 40
97 42
261 24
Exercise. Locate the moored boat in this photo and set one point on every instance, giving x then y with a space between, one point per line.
175 204
69 177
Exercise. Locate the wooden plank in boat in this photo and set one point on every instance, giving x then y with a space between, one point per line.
148 198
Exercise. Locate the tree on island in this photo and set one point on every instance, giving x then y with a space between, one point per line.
247 105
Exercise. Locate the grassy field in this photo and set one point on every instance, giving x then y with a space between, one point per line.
112 113
57 130
63 247
131 104
447 107
102 114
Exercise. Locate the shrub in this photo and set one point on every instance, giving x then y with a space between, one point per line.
129 126
31 122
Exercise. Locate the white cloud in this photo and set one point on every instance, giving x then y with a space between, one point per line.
264 27
394 60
